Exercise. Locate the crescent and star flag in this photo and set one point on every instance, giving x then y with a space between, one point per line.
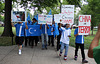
33 30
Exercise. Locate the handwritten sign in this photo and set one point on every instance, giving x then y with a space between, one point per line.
67 12
43 19
84 24
57 18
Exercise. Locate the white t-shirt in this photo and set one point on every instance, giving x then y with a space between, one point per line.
65 34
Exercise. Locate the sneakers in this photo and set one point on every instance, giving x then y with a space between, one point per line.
84 61
20 52
65 57
60 53
75 58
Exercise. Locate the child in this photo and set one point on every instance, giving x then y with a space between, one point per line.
66 32
20 33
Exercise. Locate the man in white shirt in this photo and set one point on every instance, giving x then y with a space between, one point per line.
66 33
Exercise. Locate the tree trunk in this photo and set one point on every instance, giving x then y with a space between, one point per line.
7 22
92 30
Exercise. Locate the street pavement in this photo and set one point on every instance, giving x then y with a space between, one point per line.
35 55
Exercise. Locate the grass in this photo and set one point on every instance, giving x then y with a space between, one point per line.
7 41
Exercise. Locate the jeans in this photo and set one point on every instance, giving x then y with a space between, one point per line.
82 50
66 46
44 40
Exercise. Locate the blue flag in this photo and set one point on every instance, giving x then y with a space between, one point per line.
28 18
36 17
33 30
50 12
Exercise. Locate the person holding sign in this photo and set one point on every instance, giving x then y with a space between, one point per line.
66 33
20 33
79 42
44 35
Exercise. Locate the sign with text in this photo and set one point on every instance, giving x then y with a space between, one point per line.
67 12
18 16
84 24
57 18
43 19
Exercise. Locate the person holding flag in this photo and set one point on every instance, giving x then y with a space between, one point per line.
34 38
29 22
20 33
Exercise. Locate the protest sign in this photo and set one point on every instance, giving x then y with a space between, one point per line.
67 12
84 24
33 30
57 18
43 19
18 16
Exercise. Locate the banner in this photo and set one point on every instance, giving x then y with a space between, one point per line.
57 18
67 12
43 19
18 16
33 30
84 24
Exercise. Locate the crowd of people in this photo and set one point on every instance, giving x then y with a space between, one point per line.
62 34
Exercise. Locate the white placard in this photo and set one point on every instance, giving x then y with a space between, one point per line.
84 24
43 19
57 18
67 12
18 16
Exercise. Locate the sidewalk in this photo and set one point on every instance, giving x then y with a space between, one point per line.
9 55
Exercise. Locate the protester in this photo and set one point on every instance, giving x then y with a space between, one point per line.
20 33
44 35
27 37
79 42
51 35
66 33
94 49
34 38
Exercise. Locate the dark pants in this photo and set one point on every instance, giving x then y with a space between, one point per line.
82 50
58 42
51 40
26 41
32 39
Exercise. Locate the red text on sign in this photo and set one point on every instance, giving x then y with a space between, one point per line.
84 29
85 18
67 21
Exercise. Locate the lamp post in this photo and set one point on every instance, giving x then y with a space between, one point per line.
61 1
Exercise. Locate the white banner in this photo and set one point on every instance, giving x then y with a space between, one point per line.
84 24
43 19
67 12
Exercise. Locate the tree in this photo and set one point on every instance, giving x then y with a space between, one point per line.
7 21
92 9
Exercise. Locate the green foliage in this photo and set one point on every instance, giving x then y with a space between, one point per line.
92 9
1 18
2 5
